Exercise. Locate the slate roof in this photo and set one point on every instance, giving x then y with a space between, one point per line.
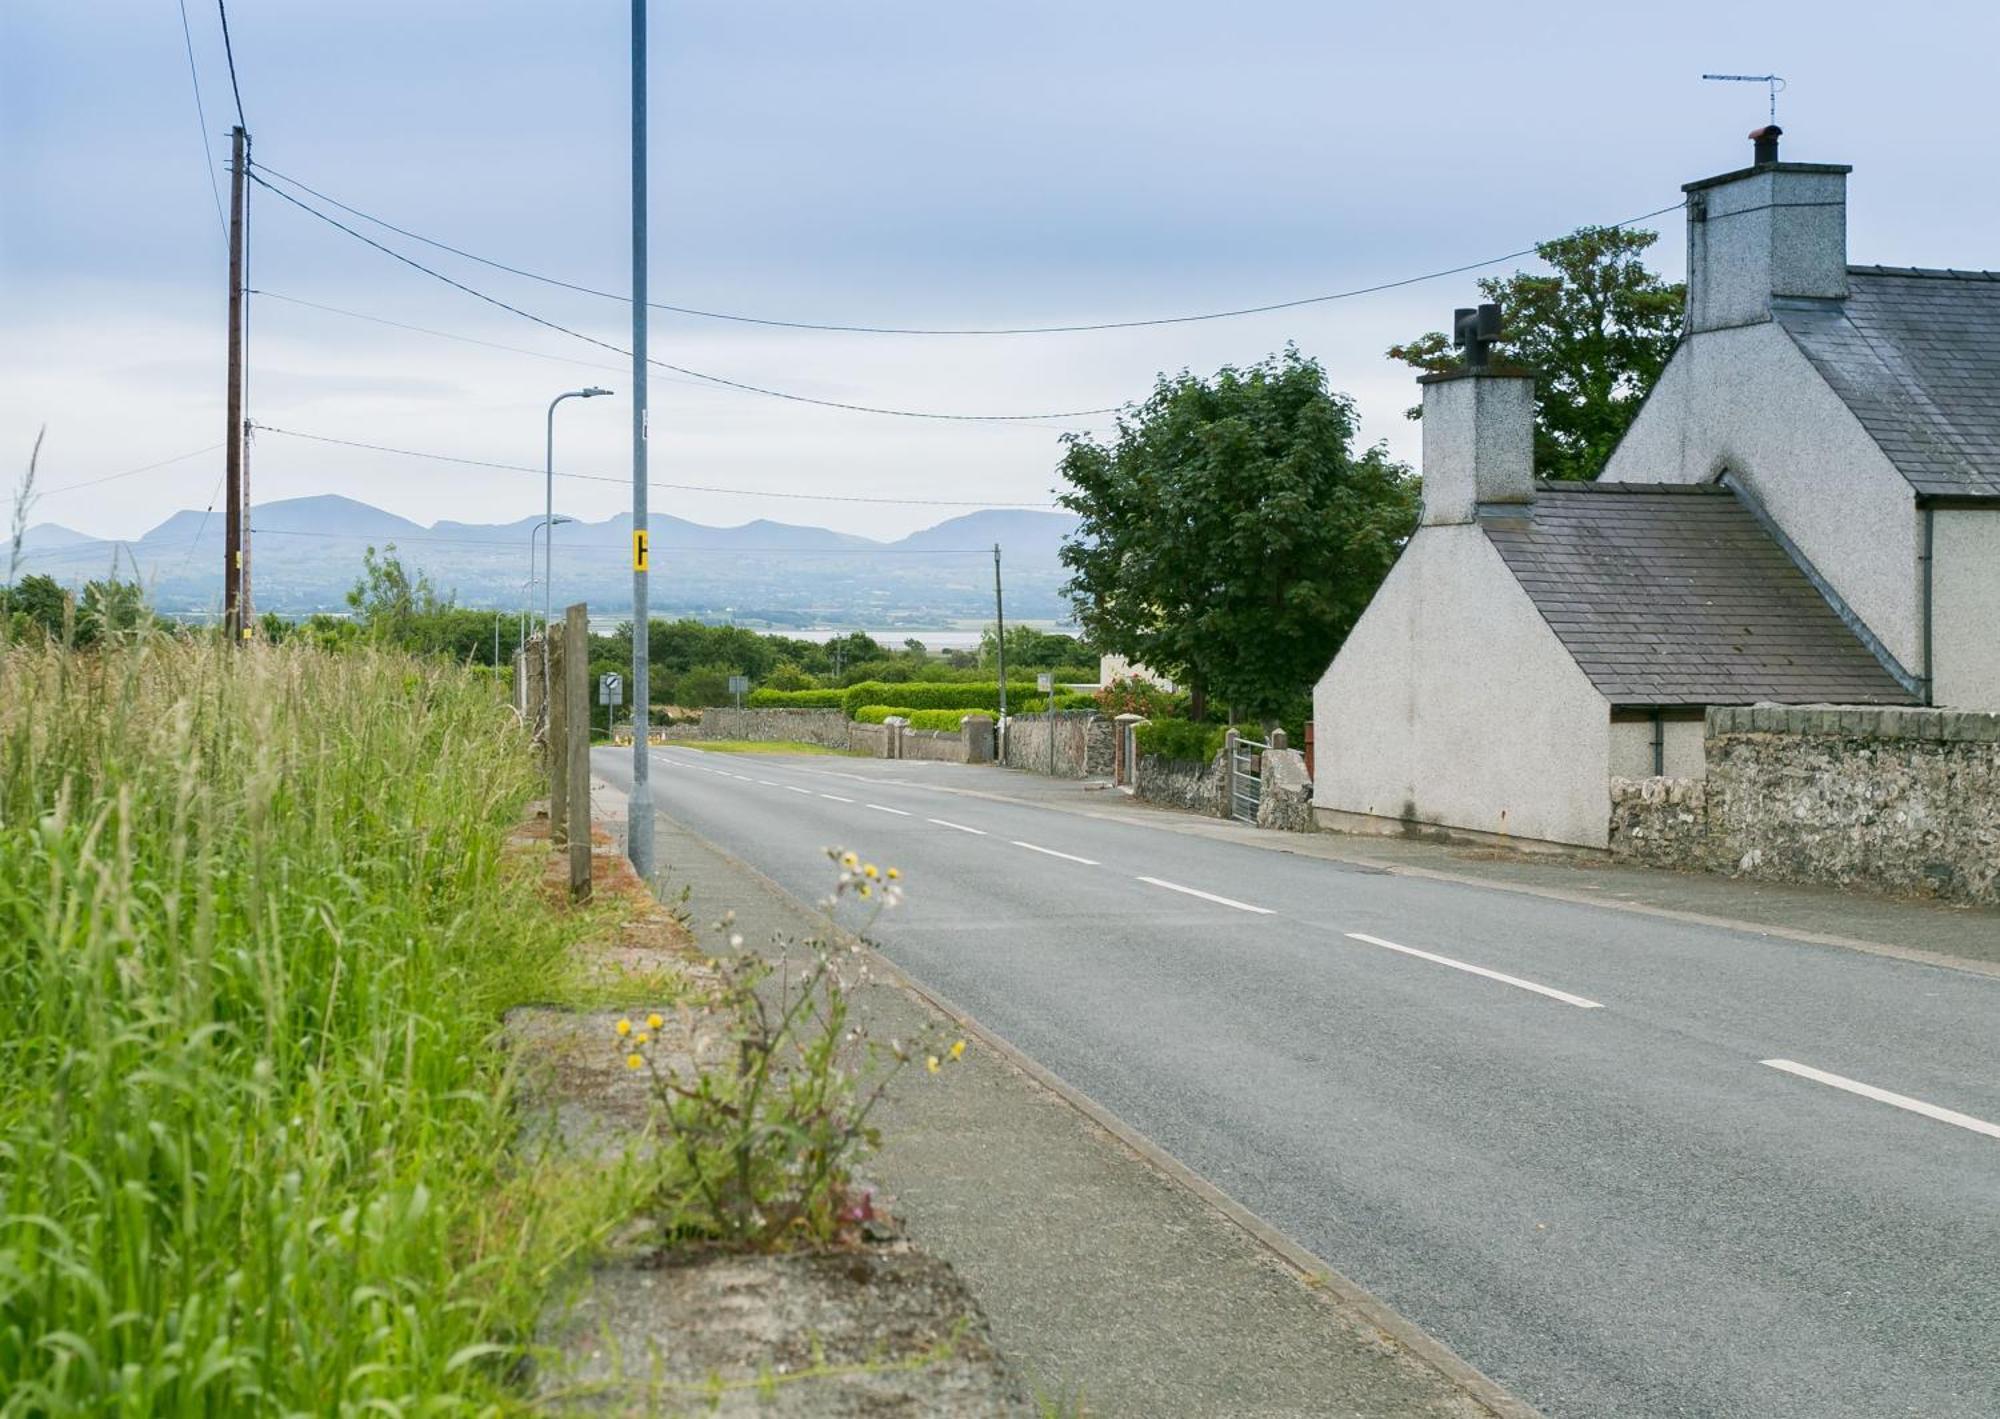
1674 594
1915 354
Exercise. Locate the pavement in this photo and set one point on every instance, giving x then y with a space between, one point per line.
1628 1142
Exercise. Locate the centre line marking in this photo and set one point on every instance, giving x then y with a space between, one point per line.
794 788
947 823
836 798
880 809
1208 896
1564 996
1065 856
767 783
1883 1096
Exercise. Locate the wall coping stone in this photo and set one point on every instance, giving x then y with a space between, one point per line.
1856 722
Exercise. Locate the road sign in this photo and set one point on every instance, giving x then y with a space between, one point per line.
611 688
737 685
1045 682
640 551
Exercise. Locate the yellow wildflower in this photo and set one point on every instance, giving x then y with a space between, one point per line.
869 872
958 1050
849 861
624 1027
894 873
932 1064
634 1061
864 889
654 1021
641 1038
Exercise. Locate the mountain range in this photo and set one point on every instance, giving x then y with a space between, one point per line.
307 552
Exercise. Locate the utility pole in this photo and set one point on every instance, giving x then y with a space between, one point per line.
639 810
232 542
999 634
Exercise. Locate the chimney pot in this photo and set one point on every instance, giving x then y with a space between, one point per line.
1766 140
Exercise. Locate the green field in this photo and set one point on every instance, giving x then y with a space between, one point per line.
256 933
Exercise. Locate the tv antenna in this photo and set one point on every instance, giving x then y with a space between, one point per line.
1772 82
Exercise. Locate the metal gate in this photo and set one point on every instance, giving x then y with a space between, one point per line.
1246 778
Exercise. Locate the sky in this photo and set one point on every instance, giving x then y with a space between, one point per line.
876 162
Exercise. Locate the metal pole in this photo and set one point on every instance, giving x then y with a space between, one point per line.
999 633
232 540
549 546
639 813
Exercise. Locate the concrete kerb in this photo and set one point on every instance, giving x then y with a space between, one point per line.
1320 1279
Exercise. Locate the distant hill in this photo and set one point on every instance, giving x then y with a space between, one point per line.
306 553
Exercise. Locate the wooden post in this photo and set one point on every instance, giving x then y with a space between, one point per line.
576 691
555 745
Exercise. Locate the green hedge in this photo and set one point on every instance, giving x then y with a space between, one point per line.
921 695
949 720
1181 739
796 699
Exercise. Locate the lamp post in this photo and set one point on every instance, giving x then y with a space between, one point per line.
528 597
549 499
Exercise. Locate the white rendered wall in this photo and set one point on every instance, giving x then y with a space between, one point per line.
1747 401
1965 595
1453 703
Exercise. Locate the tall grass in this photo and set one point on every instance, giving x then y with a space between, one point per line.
255 935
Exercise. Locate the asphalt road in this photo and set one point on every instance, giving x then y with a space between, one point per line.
1625 1165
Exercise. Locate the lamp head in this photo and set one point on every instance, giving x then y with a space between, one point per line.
592 392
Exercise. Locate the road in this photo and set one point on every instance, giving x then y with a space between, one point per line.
1626 1165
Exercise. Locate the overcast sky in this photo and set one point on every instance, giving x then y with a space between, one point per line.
870 163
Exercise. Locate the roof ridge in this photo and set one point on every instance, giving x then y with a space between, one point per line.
1935 273
1601 485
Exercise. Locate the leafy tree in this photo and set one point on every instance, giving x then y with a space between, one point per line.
1597 333
1032 649
394 607
110 607
1230 536
36 602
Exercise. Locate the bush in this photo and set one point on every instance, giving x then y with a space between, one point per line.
1134 694
949 720
795 699
937 695
1181 739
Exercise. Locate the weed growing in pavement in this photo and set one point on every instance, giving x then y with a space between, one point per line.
762 1151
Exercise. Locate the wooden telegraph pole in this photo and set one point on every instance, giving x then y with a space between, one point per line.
234 549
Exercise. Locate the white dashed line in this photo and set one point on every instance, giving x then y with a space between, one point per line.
767 783
880 809
1051 852
947 823
1564 996
1208 896
794 788
836 798
1883 1096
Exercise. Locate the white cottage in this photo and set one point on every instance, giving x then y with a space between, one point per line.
1805 511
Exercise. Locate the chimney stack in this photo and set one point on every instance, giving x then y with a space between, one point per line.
1771 231
1479 427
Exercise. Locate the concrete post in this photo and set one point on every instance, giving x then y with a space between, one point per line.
556 747
1229 773
977 732
1124 769
576 690
534 692
1278 740
895 724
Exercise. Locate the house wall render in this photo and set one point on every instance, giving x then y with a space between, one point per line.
1965 592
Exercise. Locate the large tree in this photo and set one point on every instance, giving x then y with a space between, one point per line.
1230 534
1597 332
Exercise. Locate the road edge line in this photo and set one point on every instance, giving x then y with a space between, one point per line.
1316 1274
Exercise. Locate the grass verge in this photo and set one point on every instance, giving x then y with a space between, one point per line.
257 930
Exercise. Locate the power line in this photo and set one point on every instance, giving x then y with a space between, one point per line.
496 545
673 487
201 120
946 330
129 472
677 369
229 52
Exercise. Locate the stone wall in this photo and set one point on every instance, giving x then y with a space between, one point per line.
1100 746
1905 801
872 739
940 744
1662 822
1182 783
1285 792
827 727
1898 800
1028 743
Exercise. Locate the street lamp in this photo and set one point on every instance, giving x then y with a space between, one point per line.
549 503
528 596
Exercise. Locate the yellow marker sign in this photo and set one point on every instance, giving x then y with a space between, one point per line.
639 551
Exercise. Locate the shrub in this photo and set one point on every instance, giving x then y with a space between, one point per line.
795 699
1134 694
1181 739
938 695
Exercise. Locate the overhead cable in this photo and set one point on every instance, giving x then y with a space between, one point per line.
673 487
663 364
1229 314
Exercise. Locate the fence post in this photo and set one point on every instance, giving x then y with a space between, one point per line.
1278 740
1229 739
576 692
555 745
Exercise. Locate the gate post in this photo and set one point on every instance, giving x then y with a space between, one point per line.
1229 740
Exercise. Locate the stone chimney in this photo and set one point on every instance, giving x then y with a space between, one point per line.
1479 428
1769 231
